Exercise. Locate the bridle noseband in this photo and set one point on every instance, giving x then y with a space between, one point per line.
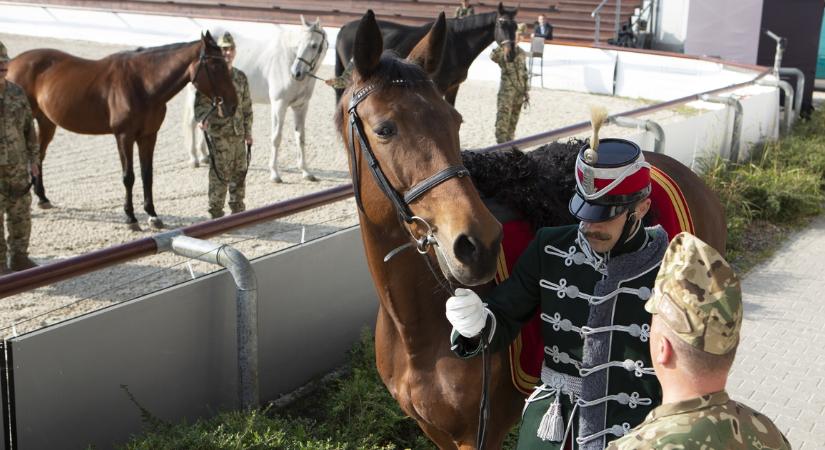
401 202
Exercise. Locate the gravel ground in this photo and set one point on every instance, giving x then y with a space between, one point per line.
83 181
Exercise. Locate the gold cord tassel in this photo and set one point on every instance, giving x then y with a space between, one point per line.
598 116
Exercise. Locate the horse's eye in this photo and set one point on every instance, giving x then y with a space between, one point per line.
314 46
385 130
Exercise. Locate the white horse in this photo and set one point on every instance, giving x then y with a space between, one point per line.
281 72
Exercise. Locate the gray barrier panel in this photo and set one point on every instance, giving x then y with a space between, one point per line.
175 349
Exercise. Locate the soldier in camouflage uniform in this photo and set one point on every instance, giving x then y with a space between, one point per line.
464 10
697 314
512 91
19 153
230 136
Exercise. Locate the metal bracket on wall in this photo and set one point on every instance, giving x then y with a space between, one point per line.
647 125
738 111
789 95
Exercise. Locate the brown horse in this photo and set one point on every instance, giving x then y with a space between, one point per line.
413 194
124 94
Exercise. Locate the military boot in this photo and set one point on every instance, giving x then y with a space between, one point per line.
21 261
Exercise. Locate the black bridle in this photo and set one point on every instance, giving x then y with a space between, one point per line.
313 63
402 206
401 202
202 59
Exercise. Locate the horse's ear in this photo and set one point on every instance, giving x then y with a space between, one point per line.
303 21
429 50
318 21
368 45
500 9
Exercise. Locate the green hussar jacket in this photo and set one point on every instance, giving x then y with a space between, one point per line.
595 330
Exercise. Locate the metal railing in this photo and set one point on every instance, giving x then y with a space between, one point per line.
596 14
26 280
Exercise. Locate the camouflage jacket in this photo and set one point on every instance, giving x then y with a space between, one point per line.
18 139
240 124
464 12
514 78
712 422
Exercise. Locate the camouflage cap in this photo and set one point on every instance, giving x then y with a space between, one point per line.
698 296
4 54
226 40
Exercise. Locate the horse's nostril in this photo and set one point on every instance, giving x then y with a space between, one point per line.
466 249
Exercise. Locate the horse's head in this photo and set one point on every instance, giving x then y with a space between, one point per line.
394 120
505 33
210 75
311 49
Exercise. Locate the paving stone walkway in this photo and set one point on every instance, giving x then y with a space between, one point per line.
780 365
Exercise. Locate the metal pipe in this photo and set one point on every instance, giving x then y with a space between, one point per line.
597 15
800 86
648 125
26 280
550 136
247 307
788 89
780 49
738 111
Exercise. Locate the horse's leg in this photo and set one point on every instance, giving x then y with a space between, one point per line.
278 112
45 133
125 145
451 94
300 115
439 438
146 151
190 131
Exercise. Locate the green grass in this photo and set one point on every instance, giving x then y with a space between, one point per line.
766 198
352 412
780 188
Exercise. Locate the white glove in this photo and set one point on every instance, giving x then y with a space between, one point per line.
466 312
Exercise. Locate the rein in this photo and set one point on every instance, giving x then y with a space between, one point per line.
402 207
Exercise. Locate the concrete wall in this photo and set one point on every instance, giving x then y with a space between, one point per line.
175 349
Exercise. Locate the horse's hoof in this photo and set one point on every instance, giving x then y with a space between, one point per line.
309 177
45 205
204 160
276 179
133 226
155 223
194 164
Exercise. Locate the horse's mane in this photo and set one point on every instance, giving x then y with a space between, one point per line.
536 185
162 48
471 23
390 68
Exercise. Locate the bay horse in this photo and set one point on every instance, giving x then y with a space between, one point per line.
124 94
413 193
281 72
466 38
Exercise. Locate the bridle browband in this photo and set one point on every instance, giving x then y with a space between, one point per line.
401 202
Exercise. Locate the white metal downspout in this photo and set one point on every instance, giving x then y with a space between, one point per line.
789 95
246 299
648 125
738 111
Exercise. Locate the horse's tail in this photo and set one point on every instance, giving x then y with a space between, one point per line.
339 69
